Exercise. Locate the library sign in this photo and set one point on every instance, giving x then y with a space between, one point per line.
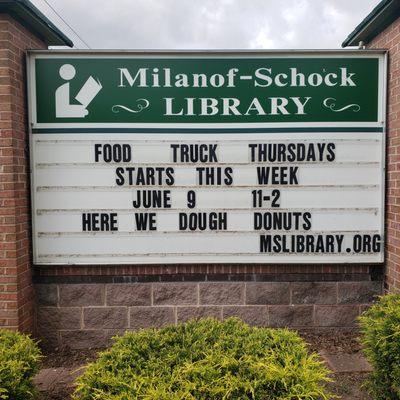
202 157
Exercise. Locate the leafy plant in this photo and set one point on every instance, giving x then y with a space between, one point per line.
380 326
208 360
19 362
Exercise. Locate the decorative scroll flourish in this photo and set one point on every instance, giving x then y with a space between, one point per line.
330 103
142 104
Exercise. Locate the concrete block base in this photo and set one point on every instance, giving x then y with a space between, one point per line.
88 315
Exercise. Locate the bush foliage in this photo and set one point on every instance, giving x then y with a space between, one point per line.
206 359
380 326
19 362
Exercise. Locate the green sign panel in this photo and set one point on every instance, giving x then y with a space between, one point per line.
196 88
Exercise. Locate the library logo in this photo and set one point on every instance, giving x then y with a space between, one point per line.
90 89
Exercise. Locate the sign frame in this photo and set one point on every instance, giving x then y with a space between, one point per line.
340 54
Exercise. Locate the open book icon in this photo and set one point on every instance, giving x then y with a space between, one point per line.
88 91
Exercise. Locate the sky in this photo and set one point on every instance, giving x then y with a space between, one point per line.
208 24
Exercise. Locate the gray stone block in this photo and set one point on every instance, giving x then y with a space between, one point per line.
105 317
151 317
291 316
82 295
49 339
221 293
191 313
336 316
46 295
129 294
264 293
358 292
175 294
314 293
252 315
53 318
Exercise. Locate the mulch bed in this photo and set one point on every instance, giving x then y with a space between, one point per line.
333 341
68 358
345 385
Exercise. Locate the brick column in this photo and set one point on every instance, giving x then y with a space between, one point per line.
389 39
16 290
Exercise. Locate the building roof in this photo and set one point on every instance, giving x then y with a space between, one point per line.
34 20
374 23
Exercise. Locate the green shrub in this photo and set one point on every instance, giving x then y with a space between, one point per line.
19 362
206 360
380 326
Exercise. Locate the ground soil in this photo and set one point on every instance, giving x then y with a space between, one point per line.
62 393
348 386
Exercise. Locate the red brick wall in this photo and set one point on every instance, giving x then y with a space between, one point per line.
207 269
390 39
16 290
